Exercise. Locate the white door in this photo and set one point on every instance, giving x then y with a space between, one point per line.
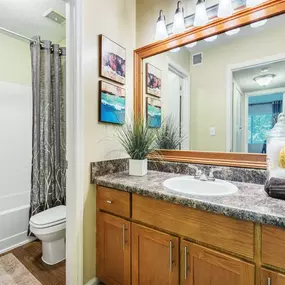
237 120
174 99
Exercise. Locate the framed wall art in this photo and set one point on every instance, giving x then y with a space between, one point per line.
153 80
112 60
153 112
112 103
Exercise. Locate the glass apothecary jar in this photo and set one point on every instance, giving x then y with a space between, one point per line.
276 149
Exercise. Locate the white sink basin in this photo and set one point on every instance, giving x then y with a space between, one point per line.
189 185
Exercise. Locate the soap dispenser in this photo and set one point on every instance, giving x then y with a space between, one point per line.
276 149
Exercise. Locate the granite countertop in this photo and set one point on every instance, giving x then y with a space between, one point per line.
249 203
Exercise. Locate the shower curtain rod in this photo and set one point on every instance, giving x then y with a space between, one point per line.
16 34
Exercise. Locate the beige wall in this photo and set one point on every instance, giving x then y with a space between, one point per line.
181 60
116 20
147 14
208 84
15 60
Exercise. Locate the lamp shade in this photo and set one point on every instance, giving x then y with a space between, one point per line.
179 22
233 32
161 31
253 3
259 23
225 8
264 80
201 17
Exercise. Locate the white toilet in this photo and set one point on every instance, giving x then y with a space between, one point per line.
49 227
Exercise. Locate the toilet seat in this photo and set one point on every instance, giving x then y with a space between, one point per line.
49 218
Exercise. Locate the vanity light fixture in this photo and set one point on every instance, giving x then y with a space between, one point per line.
175 50
253 3
264 80
179 22
201 17
211 39
161 31
191 45
225 9
258 24
233 32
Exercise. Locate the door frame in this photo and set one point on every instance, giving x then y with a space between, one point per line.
75 144
185 75
231 68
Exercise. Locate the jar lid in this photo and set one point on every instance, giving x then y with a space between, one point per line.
279 129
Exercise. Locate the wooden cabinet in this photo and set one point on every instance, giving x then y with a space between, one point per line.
273 246
272 278
203 266
113 250
155 257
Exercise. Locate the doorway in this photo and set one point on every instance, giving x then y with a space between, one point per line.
178 103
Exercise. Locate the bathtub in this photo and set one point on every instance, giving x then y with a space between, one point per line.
14 220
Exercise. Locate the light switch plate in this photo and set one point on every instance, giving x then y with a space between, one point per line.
212 131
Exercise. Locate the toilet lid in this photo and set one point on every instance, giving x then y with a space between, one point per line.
53 216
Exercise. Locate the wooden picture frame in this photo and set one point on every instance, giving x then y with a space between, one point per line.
153 115
240 18
112 59
153 76
112 103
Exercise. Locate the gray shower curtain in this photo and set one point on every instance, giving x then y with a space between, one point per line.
48 175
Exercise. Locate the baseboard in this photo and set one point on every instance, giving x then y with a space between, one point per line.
94 281
14 242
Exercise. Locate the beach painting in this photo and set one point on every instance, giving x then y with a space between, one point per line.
153 80
113 60
112 104
153 112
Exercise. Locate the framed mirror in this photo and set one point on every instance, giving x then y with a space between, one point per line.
217 89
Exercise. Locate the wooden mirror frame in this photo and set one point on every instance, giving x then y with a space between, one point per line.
240 18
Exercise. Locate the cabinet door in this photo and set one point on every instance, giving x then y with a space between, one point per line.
113 250
271 278
155 257
203 266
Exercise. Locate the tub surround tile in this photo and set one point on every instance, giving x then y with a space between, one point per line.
248 175
249 203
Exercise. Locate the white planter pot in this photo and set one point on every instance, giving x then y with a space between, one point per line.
137 167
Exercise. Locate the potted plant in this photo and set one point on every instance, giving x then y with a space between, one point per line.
138 141
168 136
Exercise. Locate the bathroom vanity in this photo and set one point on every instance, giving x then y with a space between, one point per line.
147 234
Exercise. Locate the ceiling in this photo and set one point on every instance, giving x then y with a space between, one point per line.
26 17
244 77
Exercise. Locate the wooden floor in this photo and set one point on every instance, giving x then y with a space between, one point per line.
30 255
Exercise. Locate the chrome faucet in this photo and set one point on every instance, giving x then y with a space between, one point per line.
212 171
198 173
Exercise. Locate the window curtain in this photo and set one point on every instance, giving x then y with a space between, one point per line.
48 174
276 110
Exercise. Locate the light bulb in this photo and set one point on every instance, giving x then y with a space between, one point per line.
191 45
179 22
211 39
233 32
201 17
161 31
259 23
225 9
253 3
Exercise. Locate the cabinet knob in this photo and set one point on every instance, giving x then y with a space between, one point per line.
109 201
269 281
